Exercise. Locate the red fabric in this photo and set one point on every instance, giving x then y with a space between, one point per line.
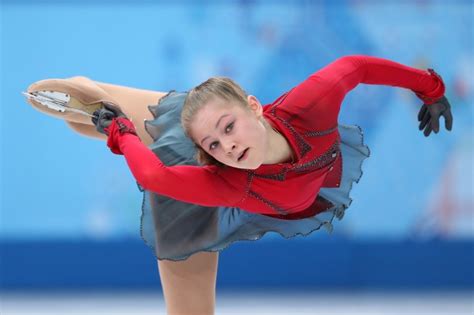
311 107
118 127
319 205
432 97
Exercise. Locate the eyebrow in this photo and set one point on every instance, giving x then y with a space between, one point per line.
217 125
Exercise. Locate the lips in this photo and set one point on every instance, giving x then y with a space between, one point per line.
242 154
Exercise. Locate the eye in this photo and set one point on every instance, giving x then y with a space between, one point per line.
212 147
228 129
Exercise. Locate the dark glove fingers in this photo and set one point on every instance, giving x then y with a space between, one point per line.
105 118
106 110
114 109
100 129
427 130
104 122
425 120
448 119
102 119
435 123
430 115
96 115
107 115
422 112
426 117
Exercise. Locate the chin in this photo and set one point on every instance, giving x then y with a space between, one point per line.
254 167
239 166
251 167
243 166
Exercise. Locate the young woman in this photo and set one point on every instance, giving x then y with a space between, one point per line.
221 167
263 166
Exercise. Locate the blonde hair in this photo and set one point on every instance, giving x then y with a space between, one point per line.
220 87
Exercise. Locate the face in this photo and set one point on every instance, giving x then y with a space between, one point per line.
232 134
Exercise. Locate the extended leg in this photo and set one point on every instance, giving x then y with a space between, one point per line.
189 285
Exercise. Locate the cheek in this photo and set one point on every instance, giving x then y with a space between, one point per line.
248 134
260 133
256 136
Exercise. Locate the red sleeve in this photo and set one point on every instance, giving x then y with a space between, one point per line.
193 184
321 95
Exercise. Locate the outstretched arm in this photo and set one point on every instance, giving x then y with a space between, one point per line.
322 93
349 71
193 184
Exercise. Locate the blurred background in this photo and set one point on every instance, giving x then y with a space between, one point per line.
70 210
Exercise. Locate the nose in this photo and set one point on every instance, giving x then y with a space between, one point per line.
230 148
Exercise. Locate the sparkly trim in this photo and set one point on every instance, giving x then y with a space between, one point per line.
321 161
278 102
304 147
320 133
125 126
268 203
281 176
302 144
319 205
250 175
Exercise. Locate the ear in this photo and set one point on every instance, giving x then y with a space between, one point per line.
255 105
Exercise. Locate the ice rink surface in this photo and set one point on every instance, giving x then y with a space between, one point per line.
233 302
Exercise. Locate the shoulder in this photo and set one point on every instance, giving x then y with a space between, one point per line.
294 101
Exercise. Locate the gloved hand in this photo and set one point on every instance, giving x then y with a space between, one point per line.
103 117
429 116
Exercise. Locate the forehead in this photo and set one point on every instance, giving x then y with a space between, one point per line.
216 107
207 117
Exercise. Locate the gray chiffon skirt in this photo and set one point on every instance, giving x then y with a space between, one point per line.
175 230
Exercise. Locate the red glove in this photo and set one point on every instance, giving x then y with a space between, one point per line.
117 128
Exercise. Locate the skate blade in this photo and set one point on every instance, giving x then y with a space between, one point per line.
56 101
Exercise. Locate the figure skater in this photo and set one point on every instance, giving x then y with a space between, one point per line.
220 167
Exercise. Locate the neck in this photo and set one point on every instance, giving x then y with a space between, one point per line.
279 150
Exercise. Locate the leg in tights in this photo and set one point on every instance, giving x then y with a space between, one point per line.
189 285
